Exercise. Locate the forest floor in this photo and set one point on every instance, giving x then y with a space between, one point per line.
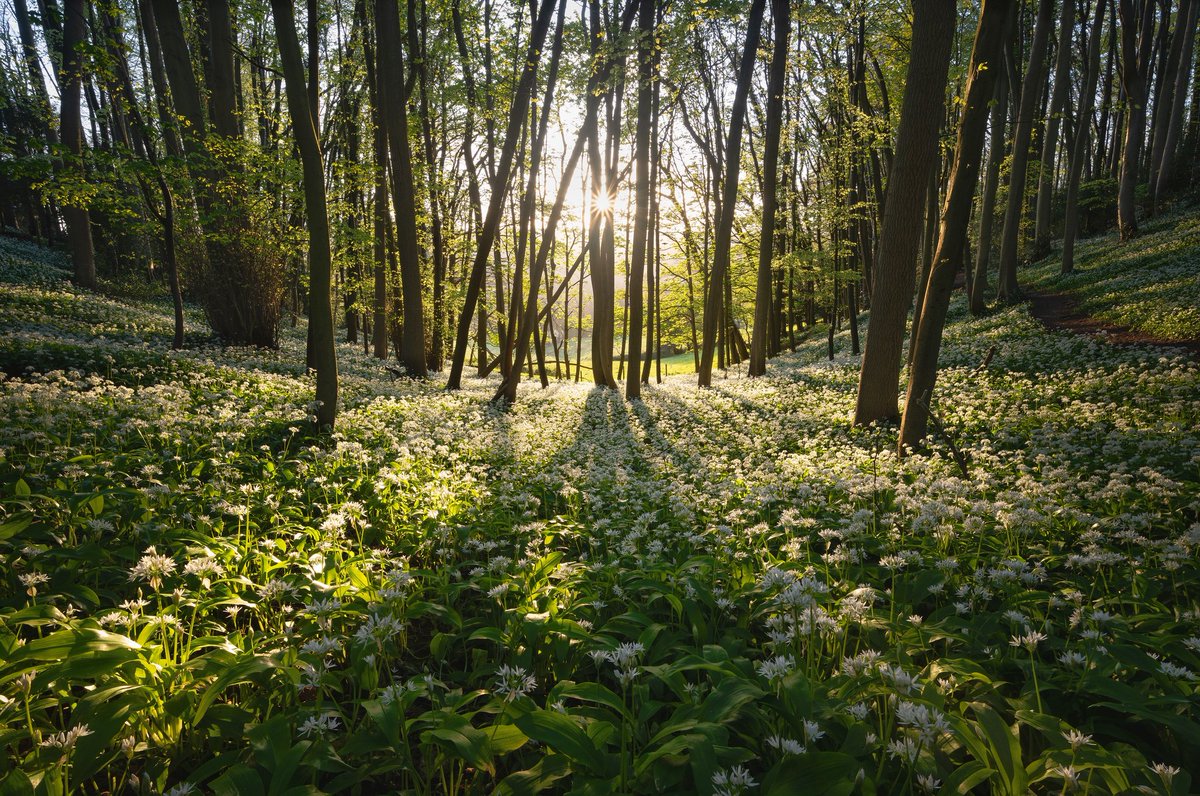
1061 312
685 594
1142 291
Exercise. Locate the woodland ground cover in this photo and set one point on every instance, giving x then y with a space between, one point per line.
1150 284
722 591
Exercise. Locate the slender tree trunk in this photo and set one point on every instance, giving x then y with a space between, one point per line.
987 206
1166 162
781 23
319 260
1137 39
1010 241
955 221
713 309
491 224
1080 152
379 326
641 215
395 118
79 226
913 164
1058 101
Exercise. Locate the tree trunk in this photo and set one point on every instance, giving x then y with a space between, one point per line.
319 261
1058 101
1137 40
987 207
781 23
955 221
79 229
500 186
1010 241
915 157
1165 165
1080 151
395 119
641 214
724 233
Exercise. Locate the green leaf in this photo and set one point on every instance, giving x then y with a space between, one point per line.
591 692
21 489
71 642
966 777
727 699
814 772
563 735
1005 748
457 735
16 783
14 527
535 779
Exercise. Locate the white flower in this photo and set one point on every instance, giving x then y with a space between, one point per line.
319 726
777 668
513 681
732 782
1029 640
152 568
787 746
65 741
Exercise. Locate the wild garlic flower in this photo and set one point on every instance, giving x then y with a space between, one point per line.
1028 640
65 742
513 681
153 568
732 781
319 726
775 669
786 746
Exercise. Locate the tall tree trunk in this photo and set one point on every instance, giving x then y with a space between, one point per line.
1137 41
320 318
79 228
641 213
379 325
500 186
987 206
1031 89
915 158
948 260
782 28
714 311
1058 101
1165 163
1080 152
395 119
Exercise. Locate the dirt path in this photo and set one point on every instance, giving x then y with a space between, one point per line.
1058 311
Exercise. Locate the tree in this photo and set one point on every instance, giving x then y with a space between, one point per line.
948 259
1031 88
500 185
395 120
319 263
641 217
1080 152
781 22
1171 98
713 313
239 282
1137 43
79 224
987 204
1058 101
912 166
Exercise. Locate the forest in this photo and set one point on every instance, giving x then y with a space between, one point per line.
724 397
